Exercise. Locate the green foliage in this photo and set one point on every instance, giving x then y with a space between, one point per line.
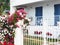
26 21
4 5
15 20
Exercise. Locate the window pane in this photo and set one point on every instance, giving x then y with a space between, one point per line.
38 11
57 9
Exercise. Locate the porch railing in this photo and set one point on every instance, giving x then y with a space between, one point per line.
36 38
38 20
52 38
56 19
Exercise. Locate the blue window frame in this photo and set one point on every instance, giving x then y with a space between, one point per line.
57 13
38 14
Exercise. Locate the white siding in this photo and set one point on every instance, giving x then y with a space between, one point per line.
53 30
48 11
48 15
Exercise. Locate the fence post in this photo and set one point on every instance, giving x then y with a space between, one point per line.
18 40
45 27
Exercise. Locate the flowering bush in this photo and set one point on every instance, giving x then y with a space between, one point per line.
8 24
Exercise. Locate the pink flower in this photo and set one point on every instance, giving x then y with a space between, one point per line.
10 19
17 26
18 19
21 13
1 43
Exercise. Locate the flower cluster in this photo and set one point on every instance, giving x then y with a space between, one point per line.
6 31
36 32
49 34
8 24
5 43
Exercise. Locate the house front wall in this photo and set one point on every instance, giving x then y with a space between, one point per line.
48 16
55 31
48 11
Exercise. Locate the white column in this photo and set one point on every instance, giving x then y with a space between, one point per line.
45 28
18 40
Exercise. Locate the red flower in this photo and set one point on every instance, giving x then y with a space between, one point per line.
49 34
10 19
1 43
40 32
36 32
4 43
9 43
11 39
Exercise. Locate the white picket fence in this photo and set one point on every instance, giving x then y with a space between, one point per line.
36 35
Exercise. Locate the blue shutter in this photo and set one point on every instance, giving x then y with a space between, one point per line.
57 9
38 11
57 13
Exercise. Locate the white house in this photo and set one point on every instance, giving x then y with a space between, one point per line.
45 13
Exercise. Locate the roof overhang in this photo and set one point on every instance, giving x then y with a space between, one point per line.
23 2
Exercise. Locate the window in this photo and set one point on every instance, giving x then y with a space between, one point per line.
57 9
57 13
38 11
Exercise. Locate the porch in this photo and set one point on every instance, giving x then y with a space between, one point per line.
39 21
37 34
45 23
